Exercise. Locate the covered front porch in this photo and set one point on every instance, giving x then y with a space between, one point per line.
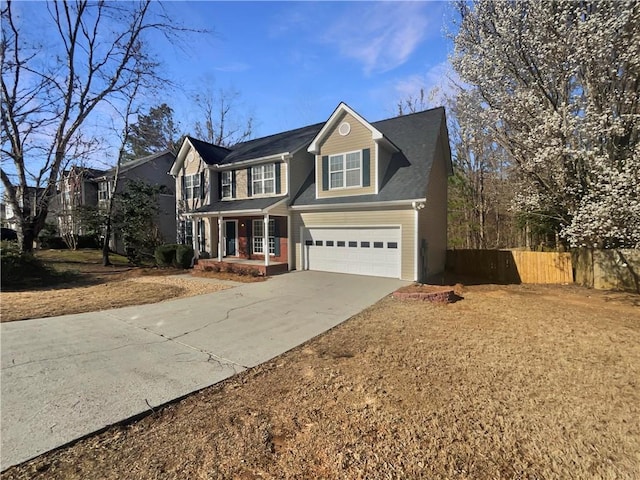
236 239
242 266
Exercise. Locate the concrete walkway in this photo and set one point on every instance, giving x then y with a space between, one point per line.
66 377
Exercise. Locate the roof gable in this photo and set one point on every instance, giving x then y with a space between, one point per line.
330 124
211 154
416 137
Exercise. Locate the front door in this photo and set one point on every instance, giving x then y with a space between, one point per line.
230 235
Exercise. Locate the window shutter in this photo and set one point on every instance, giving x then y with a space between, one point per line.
249 239
183 188
249 182
325 172
220 185
233 184
277 169
202 192
276 235
366 167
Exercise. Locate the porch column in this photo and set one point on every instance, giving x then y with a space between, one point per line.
220 239
194 239
265 240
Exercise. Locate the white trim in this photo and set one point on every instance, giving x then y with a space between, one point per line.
225 237
344 170
287 162
220 238
269 208
343 107
318 171
415 245
180 158
289 244
377 152
265 240
252 161
263 180
342 206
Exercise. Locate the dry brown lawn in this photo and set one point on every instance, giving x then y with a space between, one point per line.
93 287
511 382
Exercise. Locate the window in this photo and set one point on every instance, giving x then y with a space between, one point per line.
378 244
364 244
353 244
186 232
201 236
318 243
392 244
329 243
345 170
340 243
263 179
192 186
227 184
258 236
103 191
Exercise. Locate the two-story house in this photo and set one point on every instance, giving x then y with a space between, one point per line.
152 170
81 186
345 196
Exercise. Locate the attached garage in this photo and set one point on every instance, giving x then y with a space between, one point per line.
374 251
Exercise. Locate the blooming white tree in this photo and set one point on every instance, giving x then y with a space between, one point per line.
560 89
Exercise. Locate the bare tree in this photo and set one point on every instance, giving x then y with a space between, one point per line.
100 55
221 123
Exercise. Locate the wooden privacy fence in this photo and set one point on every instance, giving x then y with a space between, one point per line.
511 266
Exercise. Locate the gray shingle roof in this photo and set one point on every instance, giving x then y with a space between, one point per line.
210 154
240 205
407 177
127 166
273 144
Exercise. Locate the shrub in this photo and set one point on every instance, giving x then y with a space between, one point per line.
184 256
165 255
18 267
53 243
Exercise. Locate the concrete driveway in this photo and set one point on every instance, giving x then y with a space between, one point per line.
66 377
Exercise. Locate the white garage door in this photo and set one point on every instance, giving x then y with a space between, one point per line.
362 251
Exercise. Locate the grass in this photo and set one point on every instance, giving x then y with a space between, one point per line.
76 282
511 382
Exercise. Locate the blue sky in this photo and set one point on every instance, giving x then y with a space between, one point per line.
293 62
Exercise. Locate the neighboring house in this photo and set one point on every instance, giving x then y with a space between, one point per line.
76 188
91 187
9 218
344 196
153 171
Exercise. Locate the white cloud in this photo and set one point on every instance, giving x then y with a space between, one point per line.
381 36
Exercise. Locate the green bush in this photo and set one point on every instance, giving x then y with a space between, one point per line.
184 256
18 267
165 255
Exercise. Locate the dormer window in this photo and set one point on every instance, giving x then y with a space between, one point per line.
345 170
263 179
227 184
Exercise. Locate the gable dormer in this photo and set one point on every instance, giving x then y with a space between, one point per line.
349 155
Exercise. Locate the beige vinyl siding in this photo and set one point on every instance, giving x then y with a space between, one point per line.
193 165
433 218
300 166
280 210
242 178
241 184
403 217
358 138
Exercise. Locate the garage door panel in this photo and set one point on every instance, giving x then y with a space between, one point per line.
362 251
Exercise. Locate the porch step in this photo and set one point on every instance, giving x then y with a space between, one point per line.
248 267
